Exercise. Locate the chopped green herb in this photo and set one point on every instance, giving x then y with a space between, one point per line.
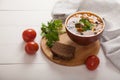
87 24
51 31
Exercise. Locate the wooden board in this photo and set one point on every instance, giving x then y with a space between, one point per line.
81 52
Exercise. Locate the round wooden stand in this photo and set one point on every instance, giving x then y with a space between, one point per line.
81 52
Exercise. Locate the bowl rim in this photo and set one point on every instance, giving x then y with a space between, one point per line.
78 12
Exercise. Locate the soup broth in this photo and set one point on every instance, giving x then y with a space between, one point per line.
85 24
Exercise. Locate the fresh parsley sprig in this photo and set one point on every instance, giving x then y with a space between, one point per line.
87 24
51 31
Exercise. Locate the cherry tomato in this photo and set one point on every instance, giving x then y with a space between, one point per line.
31 47
92 62
29 35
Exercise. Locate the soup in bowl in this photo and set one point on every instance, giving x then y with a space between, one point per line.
84 27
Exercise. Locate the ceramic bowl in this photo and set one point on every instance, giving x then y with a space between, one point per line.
80 39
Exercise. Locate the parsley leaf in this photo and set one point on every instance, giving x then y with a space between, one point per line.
51 31
87 24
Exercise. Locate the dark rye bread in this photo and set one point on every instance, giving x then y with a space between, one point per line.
62 51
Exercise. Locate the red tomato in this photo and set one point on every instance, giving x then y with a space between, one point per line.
29 35
92 62
31 47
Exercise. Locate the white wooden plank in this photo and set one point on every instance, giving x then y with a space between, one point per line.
12 35
26 4
24 17
55 72
12 46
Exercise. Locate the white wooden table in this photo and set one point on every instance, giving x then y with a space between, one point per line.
15 64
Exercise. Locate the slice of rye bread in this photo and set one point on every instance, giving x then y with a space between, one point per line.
62 51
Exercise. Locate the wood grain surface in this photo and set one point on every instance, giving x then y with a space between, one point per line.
81 52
